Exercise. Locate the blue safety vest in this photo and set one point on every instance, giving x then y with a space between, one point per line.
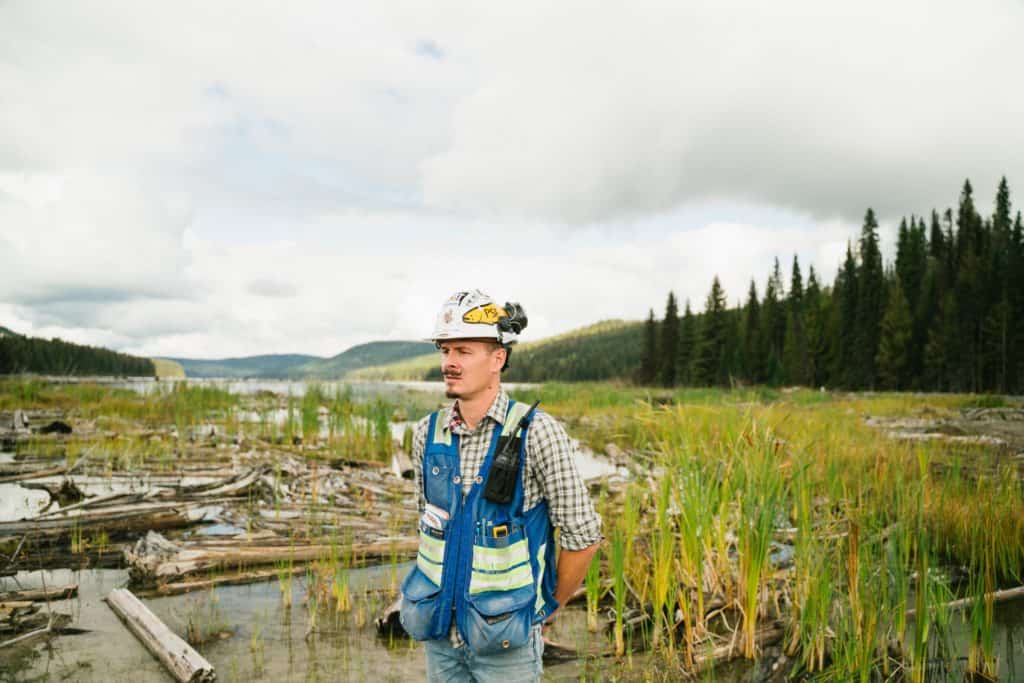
488 566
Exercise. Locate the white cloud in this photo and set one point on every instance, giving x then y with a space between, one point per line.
586 115
215 179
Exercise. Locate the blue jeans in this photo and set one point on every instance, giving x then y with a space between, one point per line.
454 665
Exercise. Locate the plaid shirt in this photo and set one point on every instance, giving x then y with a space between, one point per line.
550 469
550 472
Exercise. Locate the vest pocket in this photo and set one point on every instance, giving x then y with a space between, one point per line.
498 621
422 587
420 596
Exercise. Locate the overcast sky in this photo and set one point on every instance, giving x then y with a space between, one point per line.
212 179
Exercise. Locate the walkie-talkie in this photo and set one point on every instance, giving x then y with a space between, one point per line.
501 480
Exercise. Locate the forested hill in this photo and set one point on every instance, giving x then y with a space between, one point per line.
946 315
606 350
298 366
19 353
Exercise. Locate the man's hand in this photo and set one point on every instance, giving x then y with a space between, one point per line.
572 568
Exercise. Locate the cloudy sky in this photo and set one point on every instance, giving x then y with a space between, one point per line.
214 179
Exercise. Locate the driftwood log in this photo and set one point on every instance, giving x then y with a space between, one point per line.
40 594
155 560
183 662
112 519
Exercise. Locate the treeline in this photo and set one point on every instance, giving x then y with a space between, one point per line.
946 315
58 357
599 352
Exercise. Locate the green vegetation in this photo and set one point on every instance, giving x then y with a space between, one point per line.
21 354
947 315
874 523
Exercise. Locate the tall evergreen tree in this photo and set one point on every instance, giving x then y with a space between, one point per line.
1015 369
650 362
845 292
999 325
870 301
687 345
815 323
936 242
795 345
669 342
969 290
711 366
753 344
773 325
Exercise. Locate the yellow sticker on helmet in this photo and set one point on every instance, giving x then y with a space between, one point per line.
484 315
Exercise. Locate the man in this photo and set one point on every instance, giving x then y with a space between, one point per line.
495 478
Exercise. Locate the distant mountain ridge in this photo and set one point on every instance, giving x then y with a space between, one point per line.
7 332
303 366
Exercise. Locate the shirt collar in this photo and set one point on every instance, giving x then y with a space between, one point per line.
497 411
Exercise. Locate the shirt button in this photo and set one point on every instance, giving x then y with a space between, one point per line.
456 479
435 470
479 479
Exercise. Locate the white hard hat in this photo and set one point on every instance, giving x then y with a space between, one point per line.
475 315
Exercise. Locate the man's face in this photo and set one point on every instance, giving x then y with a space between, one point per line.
470 366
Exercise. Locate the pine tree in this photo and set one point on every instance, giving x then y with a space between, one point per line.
969 290
669 342
795 345
845 292
650 362
687 345
711 365
936 242
870 301
999 325
815 324
773 326
753 365
893 348
1015 364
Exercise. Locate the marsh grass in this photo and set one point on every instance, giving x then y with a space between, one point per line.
874 522
872 525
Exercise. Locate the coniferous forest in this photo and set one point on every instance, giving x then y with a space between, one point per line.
946 315
55 356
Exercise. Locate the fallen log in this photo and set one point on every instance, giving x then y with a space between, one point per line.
995 596
36 474
236 485
183 662
115 519
40 594
154 560
96 502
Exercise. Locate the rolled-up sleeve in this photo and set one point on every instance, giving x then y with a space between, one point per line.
419 442
551 455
